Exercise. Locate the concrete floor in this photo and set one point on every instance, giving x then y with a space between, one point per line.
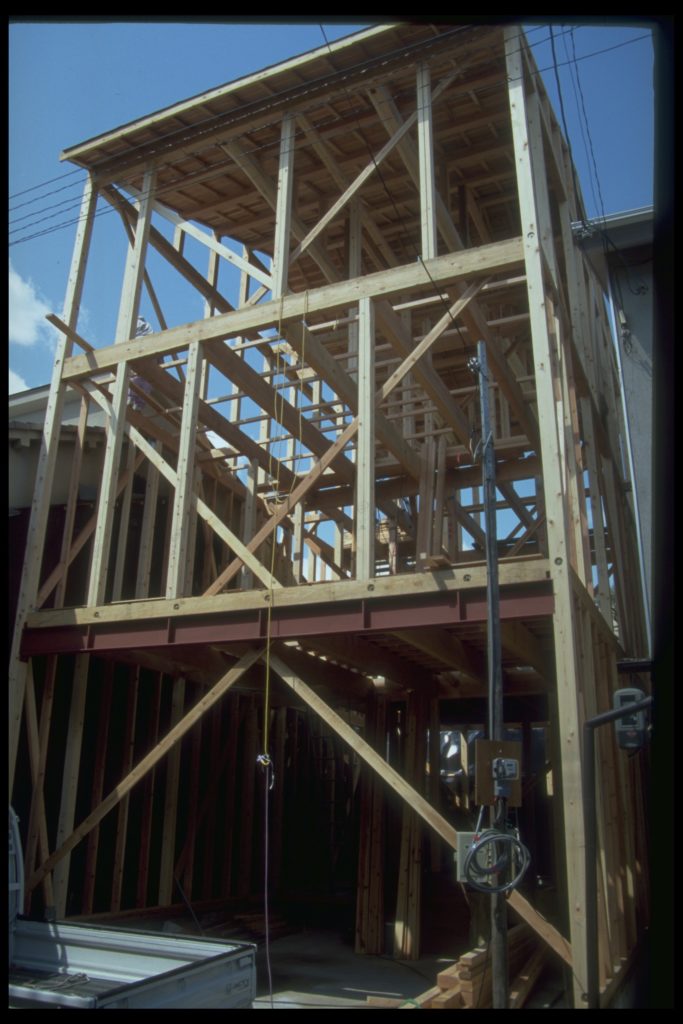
317 969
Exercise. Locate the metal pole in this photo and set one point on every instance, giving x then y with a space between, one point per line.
591 845
499 951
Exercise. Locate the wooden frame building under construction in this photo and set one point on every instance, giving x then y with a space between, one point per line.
284 553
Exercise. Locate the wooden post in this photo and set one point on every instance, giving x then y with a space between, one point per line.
127 757
149 516
183 506
435 776
72 500
37 746
72 759
558 547
40 506
125 328
426 157
148 797
98 786
408 899
210 828
232 712
124 527
168 836
283 210
365 507
249 518
249 769
193 786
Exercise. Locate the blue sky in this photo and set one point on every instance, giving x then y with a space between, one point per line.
69 81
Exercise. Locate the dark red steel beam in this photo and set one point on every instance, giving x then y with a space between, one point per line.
367 615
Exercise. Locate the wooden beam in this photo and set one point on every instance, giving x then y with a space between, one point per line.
367 171
147 763
392 120
289 503
214 420
144 567
454 653
345 387
365 213
211 242
466 577
473 318
226 535
543 928
170 254
249 510
250 166
429 339
443 270
272 402
518 640
364 750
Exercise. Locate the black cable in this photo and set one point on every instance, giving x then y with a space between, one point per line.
577 195
188 905
585 117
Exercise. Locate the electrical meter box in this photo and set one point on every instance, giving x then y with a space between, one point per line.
630 728
498 762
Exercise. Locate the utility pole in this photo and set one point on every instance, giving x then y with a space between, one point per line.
499 950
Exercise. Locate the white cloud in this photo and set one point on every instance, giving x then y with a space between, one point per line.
27 310
16 383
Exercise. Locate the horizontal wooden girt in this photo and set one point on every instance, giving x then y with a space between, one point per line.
443 270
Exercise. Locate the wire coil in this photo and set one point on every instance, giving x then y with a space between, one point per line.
495 853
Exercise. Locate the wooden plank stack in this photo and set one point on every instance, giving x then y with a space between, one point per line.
466 984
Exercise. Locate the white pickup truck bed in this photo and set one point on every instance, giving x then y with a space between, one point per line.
84 966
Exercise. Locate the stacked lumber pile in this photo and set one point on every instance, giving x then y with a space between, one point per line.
466 985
